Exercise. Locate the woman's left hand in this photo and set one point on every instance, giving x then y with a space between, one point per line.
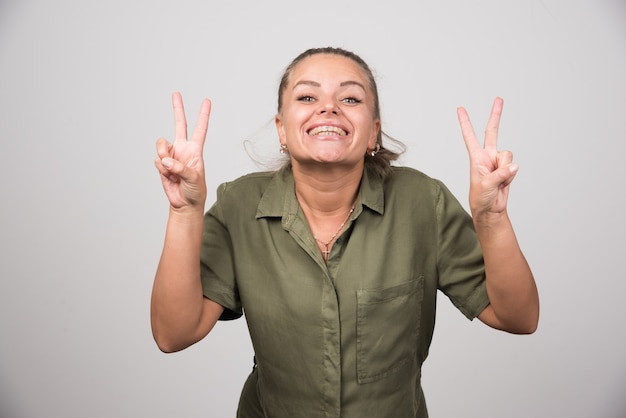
491 171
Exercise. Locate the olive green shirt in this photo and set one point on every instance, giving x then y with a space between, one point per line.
346 338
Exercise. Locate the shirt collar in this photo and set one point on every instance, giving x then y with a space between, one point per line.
279 198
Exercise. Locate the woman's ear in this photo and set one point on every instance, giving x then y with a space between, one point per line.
374 138
280 128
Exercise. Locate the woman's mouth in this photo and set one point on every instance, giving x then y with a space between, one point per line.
327 131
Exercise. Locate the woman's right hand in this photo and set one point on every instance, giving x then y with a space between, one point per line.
181 163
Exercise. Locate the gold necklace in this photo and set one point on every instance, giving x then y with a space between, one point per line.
326 251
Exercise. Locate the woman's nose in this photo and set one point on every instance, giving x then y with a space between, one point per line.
329 106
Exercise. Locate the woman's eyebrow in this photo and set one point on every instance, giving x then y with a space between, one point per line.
316 84
307 83
352 83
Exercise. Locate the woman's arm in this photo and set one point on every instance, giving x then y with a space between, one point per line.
514 301
180 314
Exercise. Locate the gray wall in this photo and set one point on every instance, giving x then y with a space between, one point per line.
85 92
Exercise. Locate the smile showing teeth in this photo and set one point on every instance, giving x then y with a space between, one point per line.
327 130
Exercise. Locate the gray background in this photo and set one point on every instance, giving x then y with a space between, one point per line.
85 92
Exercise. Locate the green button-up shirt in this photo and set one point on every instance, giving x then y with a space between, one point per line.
346 338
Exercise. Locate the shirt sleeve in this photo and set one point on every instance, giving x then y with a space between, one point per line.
216 261
460 259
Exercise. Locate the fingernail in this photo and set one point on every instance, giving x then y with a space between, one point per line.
167 162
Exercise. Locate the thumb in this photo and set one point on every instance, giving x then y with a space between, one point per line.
174 167
503 176
189 172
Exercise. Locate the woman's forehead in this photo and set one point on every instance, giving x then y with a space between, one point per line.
320 66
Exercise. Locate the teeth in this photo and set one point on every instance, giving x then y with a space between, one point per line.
327 130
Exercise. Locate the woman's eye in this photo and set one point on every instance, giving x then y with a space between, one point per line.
306 98
351 100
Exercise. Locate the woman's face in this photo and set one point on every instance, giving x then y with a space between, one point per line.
327 114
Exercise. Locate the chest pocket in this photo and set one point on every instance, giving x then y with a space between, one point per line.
388 325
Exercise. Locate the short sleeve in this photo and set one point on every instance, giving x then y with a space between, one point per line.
216 261
459 257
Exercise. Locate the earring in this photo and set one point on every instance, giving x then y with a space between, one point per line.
283 149
375 150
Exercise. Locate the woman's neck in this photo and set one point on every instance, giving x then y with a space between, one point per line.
328 192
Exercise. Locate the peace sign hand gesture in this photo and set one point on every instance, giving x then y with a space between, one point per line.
491 171
180 163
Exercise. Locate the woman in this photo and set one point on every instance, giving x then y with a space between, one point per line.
337 257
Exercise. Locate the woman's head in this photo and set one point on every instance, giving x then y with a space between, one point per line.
284 81
381 160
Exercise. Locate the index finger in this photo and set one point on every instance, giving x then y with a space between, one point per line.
199 133
493 124
180 122
467 130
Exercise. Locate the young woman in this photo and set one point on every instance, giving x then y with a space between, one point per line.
336 258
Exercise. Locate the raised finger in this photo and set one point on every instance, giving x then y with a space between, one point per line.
467 130
180 122
493 124
199 133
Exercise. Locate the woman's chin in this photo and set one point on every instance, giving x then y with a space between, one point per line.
330 160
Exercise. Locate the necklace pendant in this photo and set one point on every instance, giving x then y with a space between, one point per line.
326 250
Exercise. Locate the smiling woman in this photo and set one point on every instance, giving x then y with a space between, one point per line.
365 84
327 117
337 257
